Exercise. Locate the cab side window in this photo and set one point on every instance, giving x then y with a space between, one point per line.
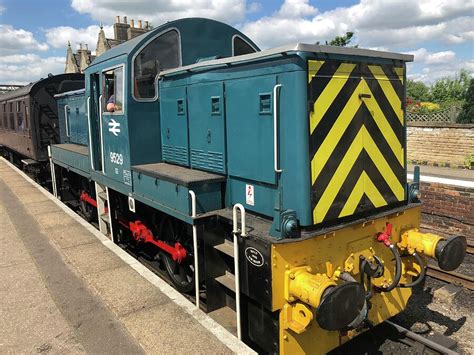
241 47
160 54
113 90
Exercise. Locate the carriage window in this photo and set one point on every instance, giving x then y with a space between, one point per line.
160 54
12 121
27 113
19 122
113 91
241 47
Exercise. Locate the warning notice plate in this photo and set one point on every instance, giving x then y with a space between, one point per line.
249 195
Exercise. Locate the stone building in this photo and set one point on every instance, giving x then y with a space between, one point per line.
123 31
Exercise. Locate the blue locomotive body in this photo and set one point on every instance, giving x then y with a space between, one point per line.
183 126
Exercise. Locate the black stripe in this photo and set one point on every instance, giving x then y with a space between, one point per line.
331 115
363 163
330 167
319 82
394 80
383 146
364 205
384 105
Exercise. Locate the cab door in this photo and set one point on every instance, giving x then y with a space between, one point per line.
94 118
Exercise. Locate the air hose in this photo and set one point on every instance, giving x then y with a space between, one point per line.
398 271
422 275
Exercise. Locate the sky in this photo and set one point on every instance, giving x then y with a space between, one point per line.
440 33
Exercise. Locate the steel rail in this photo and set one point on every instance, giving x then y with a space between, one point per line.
451 277
421 340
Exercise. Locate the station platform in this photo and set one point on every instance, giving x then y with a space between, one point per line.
64 287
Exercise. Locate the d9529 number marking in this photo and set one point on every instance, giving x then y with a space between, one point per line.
116 158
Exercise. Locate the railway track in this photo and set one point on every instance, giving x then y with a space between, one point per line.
451 277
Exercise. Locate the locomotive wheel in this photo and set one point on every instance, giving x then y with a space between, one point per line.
181 274
87 211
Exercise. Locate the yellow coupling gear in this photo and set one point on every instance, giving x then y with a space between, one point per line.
296 317
301 284
448 252
423 243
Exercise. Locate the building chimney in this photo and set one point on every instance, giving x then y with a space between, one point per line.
118 19
132 23
139 23
120 29
146 24
86 46
80 46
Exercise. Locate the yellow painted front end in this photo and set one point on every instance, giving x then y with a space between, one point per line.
326 256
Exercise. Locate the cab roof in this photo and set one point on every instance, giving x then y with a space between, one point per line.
191 30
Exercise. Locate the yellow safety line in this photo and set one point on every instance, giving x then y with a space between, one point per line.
339 177
339 127
324 101
364 185
313 68
399 71
385 127
383 167
388 90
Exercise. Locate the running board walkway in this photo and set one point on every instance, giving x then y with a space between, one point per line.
66 287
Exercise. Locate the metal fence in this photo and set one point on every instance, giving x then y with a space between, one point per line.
448 115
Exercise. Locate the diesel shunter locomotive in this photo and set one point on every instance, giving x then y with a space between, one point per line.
267 183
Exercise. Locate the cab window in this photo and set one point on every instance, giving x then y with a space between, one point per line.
241 47
113 91
160 54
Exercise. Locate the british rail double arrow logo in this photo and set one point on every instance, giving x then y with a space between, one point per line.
357 130
114 127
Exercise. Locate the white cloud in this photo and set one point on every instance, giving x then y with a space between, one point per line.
377 23
160 11
25 68
424 56
430 73
295 9
2 9
58 37
17 40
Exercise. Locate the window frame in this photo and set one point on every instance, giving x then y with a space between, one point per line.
157 94
104 103
255 50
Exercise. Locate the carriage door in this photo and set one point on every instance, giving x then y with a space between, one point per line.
94 112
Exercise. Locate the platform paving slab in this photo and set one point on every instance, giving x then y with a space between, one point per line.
71 291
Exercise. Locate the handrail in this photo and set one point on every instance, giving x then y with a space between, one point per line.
91 150
101 136
276 166
243 233
66 116
195 247
53 172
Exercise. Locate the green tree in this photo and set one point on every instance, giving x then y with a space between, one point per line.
418 91
341 41
467 113
450 89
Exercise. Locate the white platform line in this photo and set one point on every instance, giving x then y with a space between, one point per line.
445 181
224 336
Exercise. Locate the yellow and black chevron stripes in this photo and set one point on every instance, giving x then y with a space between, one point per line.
357 138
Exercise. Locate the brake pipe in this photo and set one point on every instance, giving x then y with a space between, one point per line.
384 238
422 274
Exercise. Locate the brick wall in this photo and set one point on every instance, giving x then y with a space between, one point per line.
448 210
439 144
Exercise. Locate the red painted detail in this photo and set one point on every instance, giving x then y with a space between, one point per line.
384 237
88 199
144 235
